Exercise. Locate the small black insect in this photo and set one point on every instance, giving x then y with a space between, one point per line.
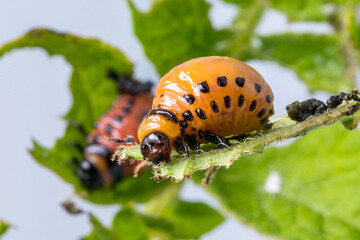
299 111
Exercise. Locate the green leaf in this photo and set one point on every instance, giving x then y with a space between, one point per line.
283 128
317 59
178 220
91 59
192 219
130 225
99 232
4 226
93 94
158 227
316 196
310 10
138 189
173 32
169 217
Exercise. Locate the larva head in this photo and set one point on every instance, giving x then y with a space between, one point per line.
89 175
156 148
92 170
156 134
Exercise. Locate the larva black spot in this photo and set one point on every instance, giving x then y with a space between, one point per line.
200 113
271 111
268 99
253 105
257 88
222 81
264 121
125 110
261 113
230 122
241 101
162 95
193 129
183 133
203 87
201 134
227 101
96 139
190 99
188 115
178 143
240 81
108 129
214 106
129 103
220 124
183 124
191 140
117 119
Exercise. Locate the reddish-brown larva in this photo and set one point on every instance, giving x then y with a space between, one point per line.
97 170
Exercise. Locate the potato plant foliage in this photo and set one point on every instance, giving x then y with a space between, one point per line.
317 196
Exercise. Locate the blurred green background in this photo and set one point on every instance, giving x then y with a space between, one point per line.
306 189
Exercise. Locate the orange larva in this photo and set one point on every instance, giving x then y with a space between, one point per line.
204 100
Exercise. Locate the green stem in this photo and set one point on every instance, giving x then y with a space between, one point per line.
283 128
244 28
160 203
157 206
342 24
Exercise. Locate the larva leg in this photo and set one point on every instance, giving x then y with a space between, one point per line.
192 142
186 150
198 151
178 145
216 139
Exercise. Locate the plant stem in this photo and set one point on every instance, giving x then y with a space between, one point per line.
160 203
244 29
341 22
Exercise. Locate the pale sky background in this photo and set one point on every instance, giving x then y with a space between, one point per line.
34 94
